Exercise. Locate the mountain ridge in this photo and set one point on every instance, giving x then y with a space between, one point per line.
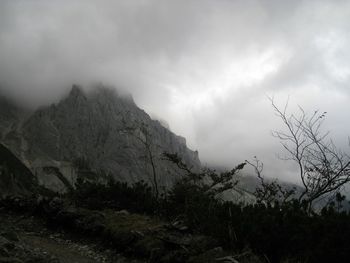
102 127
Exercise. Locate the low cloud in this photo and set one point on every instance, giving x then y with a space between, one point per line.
206 67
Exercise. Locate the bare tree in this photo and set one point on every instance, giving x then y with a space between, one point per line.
142 134
323 168
269 192
210 181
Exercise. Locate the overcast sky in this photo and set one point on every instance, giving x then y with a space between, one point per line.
206 67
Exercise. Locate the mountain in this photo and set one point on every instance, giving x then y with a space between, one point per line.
91 135
16 178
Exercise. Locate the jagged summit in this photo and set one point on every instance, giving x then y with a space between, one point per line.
76 92
104 94
101 127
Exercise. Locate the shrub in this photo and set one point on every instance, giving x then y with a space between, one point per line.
115 195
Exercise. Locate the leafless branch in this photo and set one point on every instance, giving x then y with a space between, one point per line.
323 168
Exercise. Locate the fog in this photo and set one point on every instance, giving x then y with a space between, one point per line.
206 67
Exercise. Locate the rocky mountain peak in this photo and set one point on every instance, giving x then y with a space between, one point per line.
76 91
102 128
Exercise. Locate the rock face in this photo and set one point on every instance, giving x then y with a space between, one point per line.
15 177
86 133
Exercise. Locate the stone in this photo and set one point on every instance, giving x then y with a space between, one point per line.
4 252
123 239
10 235
93 131
5 243
10 260
208 256
91 223
122 212
175 256
149 247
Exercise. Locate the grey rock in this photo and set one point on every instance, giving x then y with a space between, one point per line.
122 212
208 256
15 178
10 260
86 133
5 243
10 235
4 252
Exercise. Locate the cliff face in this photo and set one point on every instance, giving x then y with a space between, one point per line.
100 130
15 178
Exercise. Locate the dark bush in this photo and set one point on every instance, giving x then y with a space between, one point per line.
278 232
115 195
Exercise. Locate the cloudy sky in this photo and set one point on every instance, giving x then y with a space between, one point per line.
205 66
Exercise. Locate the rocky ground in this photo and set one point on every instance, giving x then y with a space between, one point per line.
60 232
27 239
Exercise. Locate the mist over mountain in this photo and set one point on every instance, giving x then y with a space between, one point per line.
198 131
198 64
101 131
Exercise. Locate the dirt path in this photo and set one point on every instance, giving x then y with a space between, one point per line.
64 250
32 242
